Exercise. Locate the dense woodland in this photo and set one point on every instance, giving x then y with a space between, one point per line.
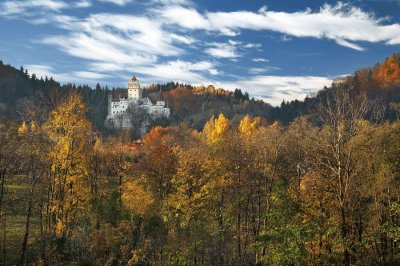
188 104
320 187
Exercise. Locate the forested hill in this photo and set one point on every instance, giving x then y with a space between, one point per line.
18 88
380 83
188 104
194 105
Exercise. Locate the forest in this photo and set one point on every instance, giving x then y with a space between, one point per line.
320 188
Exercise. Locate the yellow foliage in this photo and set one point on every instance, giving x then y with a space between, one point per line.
33 126
216 129
23 129
59 228
275 126
136 198
69 131
248 125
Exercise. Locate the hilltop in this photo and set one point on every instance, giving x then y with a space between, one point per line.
194 105
380 83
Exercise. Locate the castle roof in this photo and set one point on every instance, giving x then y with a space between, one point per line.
133 78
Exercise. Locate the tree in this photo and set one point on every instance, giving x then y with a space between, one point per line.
70 134
334 160
10 162
388 74
138 118
377 220
33 150
216 129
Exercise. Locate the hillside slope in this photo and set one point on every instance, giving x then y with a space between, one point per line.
194 105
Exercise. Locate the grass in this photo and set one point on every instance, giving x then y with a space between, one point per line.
15 205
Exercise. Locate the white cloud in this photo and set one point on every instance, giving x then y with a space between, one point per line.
39 11
107 67
342 22
118 43
90 75
181 71
172 2
258 59
223 50
275 89
214 71
83 46
75 76
183 39
117 2
10 8
252 45
122 39
285 38
261 70
151 45
45 71
83 4
349 45
229 49
262 9
256 70
186 17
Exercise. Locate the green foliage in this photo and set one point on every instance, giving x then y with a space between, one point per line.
285 237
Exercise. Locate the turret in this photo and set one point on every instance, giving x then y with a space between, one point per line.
134 90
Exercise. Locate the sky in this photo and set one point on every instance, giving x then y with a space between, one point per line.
274 50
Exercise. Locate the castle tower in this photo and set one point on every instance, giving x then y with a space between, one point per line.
134 90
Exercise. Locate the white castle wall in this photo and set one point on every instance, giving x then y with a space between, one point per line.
117 108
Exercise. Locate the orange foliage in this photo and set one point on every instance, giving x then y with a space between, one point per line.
156 135
211 90
388 74
170 136
180 99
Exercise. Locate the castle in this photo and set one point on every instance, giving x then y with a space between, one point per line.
119 115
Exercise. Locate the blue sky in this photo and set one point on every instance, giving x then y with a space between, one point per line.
275 50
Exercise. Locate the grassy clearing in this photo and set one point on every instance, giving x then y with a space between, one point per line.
15 205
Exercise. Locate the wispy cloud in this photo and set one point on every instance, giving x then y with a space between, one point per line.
275 89
43 71
39 11
117 2
258 59
252 45
222 50
349 45
172 2
155 43
9 8
181 71
342 22
230 49
90 75
118 38
83 4
261 70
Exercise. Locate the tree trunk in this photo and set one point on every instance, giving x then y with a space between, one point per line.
4 237
27 224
